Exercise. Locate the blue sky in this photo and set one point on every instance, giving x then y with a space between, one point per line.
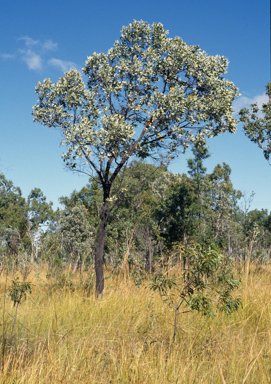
43 39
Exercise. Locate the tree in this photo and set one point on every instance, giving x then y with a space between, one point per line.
223 199
130 224
20 218
174 212
13 215
195 165
39 212
76 232
258 129
130 211
148 95
198 175
205 286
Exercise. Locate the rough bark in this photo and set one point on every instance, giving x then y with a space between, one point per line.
107 184
100 245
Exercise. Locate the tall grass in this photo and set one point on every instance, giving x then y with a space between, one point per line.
63 335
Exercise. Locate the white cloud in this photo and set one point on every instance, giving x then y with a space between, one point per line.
7 56
245 102
29 42
32 56
63 65
32 59
35 52
49 45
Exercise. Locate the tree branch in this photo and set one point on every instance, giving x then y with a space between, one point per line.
132 150
88 159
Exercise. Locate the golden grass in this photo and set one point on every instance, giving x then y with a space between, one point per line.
126 337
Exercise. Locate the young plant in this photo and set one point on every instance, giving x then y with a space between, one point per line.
17 292
205 286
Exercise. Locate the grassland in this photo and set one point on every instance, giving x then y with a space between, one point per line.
66 336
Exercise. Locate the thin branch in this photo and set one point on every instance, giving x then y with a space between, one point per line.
132 150
261 146
88 159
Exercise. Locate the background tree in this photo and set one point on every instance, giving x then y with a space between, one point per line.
256 127
174 212
130 211
197 173
20 218
148 94
223 200
13 219
39 213
77 234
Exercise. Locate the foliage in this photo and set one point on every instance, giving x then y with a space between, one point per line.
145 78
205 285
258 128
39 211
88 284
62 281
18 290
77 234
148 94
13 218
174 211
201 207
20 217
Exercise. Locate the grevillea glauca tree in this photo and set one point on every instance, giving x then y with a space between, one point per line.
148 95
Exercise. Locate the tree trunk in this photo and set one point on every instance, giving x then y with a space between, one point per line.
150 255
229 242
100 245
76 264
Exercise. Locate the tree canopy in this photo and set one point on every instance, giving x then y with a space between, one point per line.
258 127
149 95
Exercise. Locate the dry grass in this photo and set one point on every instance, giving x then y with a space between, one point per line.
125 337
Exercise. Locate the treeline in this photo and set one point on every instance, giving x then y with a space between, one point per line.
152 211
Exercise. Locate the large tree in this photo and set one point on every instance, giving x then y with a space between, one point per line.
149 94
